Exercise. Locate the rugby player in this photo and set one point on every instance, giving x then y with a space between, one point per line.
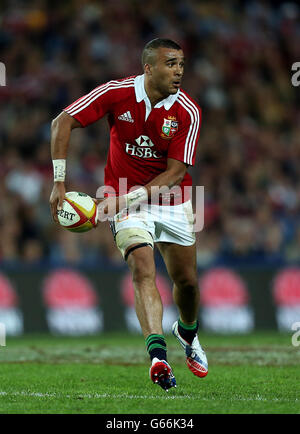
154 131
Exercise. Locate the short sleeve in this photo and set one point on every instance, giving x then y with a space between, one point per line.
184 143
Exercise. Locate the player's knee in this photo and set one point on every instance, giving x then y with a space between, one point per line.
131 239
142 276
142 267
136 246
187 284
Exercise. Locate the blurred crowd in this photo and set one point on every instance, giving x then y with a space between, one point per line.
239 58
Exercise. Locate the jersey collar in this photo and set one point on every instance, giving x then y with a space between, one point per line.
141 94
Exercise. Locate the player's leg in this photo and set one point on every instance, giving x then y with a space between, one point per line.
182 268
149 310
148 304
136 245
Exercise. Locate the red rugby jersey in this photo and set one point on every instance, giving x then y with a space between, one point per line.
141 138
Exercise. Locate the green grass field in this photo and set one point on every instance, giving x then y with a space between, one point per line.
258 373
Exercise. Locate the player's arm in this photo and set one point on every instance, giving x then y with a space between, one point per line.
81 113
172 176
161 184
61 128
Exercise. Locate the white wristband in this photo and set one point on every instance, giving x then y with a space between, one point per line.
59 170
136 197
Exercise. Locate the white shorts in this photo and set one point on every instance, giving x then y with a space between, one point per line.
171 224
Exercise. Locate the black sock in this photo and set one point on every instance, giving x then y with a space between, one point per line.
188 332
156 347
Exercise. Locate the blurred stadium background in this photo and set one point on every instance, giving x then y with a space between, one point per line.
239 59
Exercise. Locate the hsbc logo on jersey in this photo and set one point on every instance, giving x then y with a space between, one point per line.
143 148
144 141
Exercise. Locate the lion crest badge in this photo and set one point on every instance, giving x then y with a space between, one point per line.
169 127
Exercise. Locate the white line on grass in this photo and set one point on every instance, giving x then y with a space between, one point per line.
139 397
91 396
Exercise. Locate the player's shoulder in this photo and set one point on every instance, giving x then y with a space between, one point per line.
187 104
120 83
123 80
117 89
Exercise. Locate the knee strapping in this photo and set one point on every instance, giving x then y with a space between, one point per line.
130 236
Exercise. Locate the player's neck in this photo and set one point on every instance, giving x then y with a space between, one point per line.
154 95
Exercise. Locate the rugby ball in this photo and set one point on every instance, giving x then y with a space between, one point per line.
78 213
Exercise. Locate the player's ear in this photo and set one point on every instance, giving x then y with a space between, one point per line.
148 69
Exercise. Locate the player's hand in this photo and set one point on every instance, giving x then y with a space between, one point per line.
56 199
